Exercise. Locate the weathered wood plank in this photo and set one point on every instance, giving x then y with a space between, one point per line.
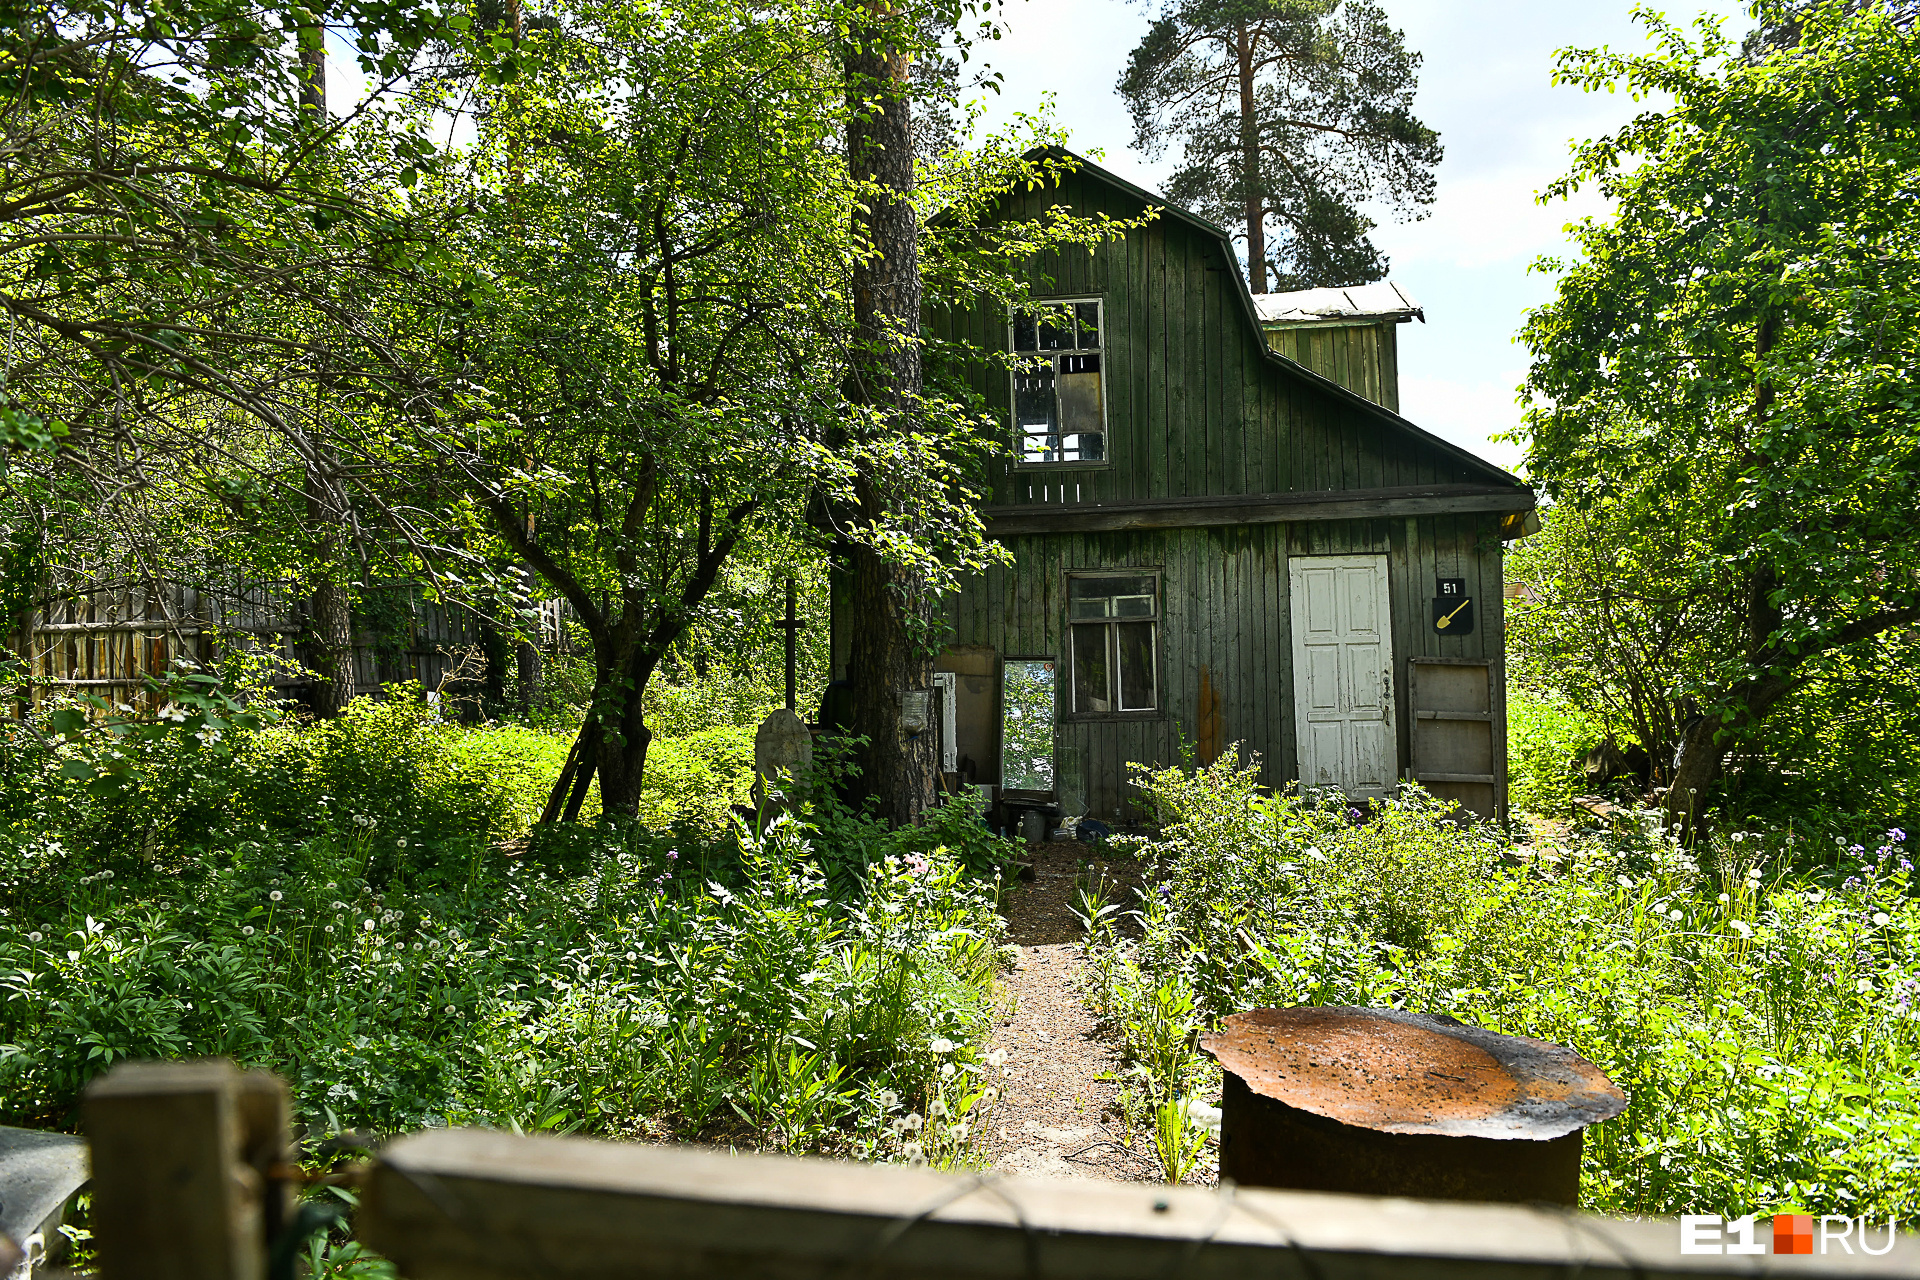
1263 508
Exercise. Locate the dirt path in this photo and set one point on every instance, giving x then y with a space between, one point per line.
1058 1118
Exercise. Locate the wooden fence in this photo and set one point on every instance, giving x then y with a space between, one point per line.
106 638
192 1173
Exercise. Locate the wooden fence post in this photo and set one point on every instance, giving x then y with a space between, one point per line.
185 1176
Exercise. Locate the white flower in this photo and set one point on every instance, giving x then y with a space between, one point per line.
888 1099
403 842
958 1133
913 1151
35 936
942 1045
1623 882
937 1110
1738 836
246 931
1743 928
913 1122
368 924
1863 986
996 1057
1676 914
329 928
419 945
1881 917
275 896
989 1096
1725 898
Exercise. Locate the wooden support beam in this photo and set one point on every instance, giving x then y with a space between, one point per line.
1253 508
494 1206
184 1155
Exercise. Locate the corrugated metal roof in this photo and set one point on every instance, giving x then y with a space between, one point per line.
1379 300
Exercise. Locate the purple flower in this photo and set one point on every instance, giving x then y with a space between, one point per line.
1856 849
1896 835
1884 852
1906 864
673 855
1166 894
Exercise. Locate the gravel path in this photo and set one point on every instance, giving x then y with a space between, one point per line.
1058 1118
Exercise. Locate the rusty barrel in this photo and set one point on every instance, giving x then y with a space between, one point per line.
1387 1102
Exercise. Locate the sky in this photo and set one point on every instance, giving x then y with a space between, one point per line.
1485 85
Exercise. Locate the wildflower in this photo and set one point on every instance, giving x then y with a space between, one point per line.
1856 849
989 1096
367 925
915 1152
275 896
1753 874
996 1057
1676 914
418 945
403 842
898 1125
959 1132
946 1071
246 931
912 1122
1896 835
1724 898
1623 881
1738 836
1881 917
942 1045
1744 929
936 1110
332 887
673 855
329 928
1863 986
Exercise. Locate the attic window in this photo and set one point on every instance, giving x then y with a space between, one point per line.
1059 397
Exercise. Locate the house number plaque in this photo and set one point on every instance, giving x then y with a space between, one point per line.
1452 607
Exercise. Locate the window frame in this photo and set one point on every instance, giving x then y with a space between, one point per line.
1020 463
1069 708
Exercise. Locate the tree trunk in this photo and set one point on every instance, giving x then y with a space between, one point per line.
886 663
1256 212
330 604
1696 769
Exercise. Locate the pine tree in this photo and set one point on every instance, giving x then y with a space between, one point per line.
1298 111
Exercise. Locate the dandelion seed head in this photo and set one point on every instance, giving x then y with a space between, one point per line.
942 1045
936 1110
275 896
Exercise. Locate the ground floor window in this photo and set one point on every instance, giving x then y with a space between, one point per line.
1115 625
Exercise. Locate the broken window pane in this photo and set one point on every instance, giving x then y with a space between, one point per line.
1060 408
1135 643
1026 725
1091 679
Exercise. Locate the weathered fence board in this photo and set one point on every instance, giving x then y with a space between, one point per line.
485 1205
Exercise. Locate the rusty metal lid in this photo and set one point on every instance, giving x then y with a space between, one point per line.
1401 1072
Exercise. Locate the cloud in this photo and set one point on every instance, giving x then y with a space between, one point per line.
1466 413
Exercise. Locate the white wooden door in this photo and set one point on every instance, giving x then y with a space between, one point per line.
1343 673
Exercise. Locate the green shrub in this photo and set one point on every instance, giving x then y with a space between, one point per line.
1547 739
1764 1022
697 779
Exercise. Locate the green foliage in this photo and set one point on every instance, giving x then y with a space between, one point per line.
698 778
1332 128
1722 387
1546 741
1763 1022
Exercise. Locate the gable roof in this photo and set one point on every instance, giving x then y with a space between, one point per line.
1380 413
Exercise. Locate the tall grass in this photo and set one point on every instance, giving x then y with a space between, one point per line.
1761 1011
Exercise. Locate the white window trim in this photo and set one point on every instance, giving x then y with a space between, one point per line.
1116 684
1106 388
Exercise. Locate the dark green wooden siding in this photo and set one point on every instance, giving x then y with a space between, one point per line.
1225 607
1361 357
1194 405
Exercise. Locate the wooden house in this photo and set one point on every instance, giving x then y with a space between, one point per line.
1221 532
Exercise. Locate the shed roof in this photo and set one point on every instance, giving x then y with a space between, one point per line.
1381 300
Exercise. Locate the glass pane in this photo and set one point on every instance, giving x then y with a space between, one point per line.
1089 608
1088 313
1056 329
1109 589
1023 332
1136 665
1091 683
1081 422
1026 720
1088 446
